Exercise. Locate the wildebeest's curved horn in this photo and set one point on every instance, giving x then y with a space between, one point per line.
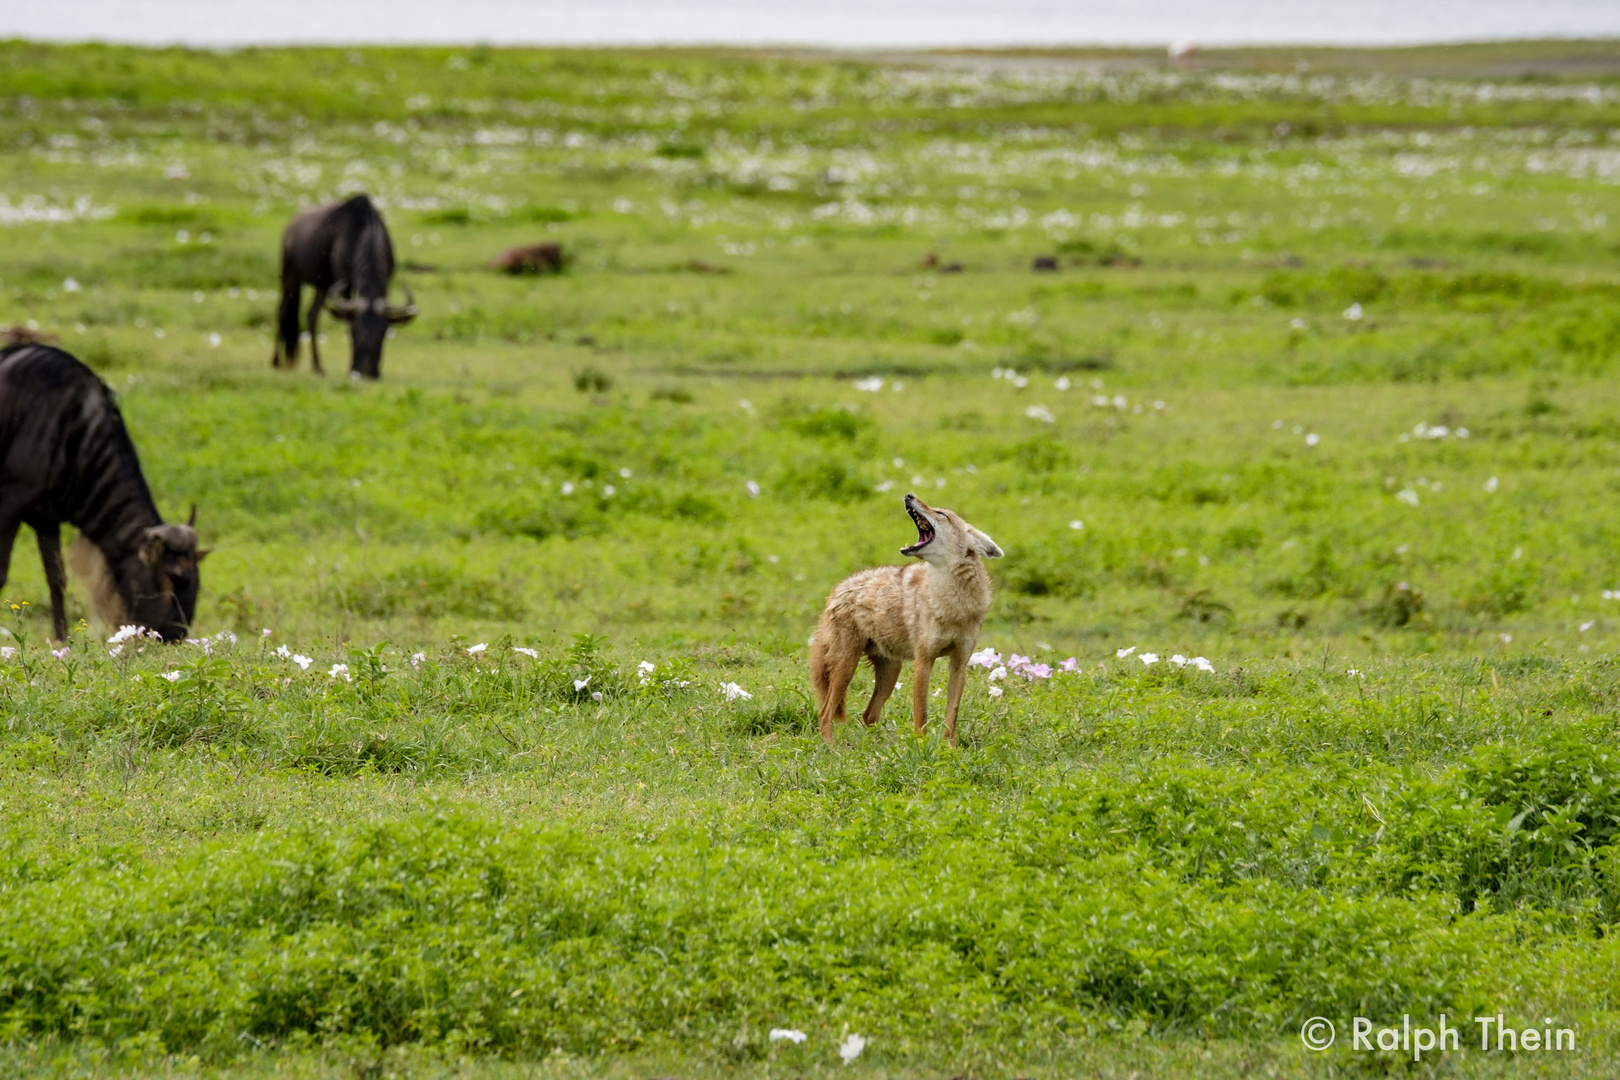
158 540
191 522
403 314
341 307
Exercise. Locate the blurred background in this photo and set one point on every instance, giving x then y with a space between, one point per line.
847 24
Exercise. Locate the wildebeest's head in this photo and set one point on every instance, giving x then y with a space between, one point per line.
161 585
369 318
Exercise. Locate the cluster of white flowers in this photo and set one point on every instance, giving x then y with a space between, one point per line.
733 692
1022 665
1433 431
207 644
848 1050
303 662
645 671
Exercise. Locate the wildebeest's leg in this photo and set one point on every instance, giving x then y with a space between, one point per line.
314 314
50 553
286 347
884 674
10 522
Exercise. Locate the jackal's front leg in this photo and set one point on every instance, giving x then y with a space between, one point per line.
924 667
953 692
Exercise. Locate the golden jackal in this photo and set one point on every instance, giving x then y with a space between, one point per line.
891 614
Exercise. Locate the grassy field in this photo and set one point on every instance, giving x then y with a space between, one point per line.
1321 389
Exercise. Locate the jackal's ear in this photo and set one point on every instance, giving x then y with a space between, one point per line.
984 545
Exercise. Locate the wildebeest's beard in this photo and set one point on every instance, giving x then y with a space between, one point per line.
158 605
369 318
163 581
367 333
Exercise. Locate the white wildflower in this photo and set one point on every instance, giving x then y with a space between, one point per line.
1121 654
115 650
1041 413
1353 312
530 653
7 652
1179 660
1490 485
596 695
1407 496
852 1048
1202 663
284 652
1148 658
985 658
418 658
303 662
995 691
753 489
791 1034
998 674
1312 439
580 684
340 670
474 650
1077 524
124 633
870 385
733 691
172 676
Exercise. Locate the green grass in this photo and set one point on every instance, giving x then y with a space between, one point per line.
1230 425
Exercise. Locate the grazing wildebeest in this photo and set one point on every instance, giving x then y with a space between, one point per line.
66 456
535 259
342 250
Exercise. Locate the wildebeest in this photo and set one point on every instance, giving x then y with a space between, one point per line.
65 456
544 258
343 251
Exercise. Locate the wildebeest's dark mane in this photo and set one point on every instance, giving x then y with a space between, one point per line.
108 498
66 457
371 258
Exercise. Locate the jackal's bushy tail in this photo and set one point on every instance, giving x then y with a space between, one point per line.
820 670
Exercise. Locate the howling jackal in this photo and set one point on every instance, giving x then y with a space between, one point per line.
891 614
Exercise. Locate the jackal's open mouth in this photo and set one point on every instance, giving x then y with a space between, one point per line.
925 528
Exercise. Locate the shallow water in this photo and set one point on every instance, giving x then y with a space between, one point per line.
846 23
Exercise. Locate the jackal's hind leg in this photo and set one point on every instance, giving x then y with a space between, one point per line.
885 673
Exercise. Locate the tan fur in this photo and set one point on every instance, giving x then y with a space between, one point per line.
891 614
89 565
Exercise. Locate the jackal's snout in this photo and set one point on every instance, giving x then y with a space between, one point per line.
922 515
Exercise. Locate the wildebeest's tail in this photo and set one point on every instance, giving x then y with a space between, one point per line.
286 347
